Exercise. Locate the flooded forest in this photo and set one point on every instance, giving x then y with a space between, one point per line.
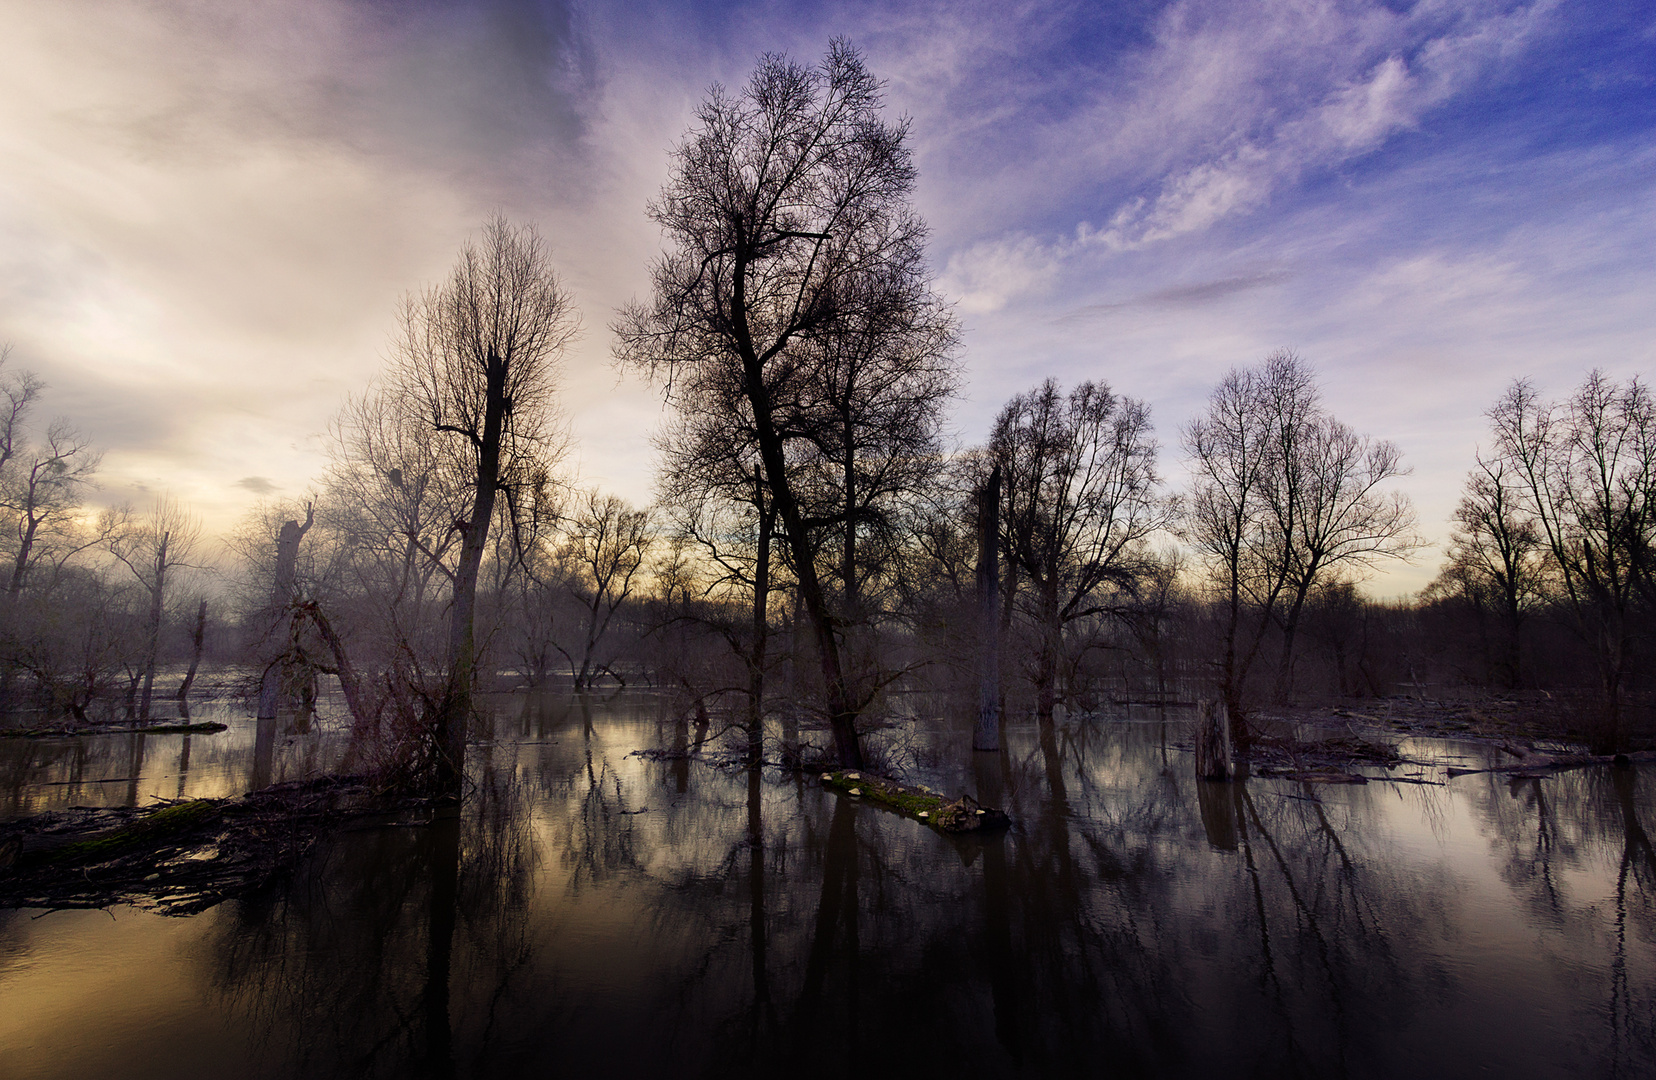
1074 746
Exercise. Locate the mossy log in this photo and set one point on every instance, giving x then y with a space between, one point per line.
918 802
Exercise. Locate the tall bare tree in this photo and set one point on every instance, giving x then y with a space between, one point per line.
1284 498
154 548
1080 497
1496 564
1586 471
786 201
604 549
476 365
43 493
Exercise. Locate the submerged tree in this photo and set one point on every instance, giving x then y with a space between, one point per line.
476 367
1284 498
1079 499
1496 564
787 214
1586 472
603 550
155 548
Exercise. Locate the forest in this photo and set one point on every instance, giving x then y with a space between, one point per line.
457 765
818 543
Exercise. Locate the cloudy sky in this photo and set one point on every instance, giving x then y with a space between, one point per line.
208 211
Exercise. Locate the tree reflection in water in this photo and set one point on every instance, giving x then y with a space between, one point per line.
600 912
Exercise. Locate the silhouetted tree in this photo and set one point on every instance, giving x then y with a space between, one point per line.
1496 564
787 214
604 548
154 548
1284 498
476 365
1586 471
1079 499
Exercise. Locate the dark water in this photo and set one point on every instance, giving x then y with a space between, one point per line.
595 913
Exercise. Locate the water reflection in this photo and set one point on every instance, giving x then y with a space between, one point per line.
593 911
135 769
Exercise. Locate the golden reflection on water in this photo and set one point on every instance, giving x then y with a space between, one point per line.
604 912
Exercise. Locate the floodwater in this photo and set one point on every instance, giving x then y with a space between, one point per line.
593 912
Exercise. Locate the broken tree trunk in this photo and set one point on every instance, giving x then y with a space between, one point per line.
198 637
1213 742
282 595
986 735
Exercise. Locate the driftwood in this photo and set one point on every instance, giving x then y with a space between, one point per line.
177 857
921 803
206 727
1534 763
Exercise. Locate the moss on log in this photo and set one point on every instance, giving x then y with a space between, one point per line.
918 802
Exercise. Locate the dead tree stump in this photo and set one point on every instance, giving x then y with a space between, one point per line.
1213 742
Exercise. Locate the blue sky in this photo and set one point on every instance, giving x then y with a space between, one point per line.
207 213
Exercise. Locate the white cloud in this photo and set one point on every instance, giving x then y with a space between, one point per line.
987 275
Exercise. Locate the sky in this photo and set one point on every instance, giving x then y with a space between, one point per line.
209 211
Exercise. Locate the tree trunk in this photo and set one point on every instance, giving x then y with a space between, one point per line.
986 733
1213 742
198 637
450 727
1052 642
848 557
281 595
842 714
761 624
25 545
154 643
365 719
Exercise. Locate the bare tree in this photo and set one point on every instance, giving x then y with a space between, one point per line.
154 548
880 383
394 494
1496 563
1080 497
476 363
42 493
785 200
605 549
1333 519
283 595
1586 471
20 390
1284 498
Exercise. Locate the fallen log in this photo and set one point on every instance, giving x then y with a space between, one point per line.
1534 764
177 857
918 802
1310 776
205 727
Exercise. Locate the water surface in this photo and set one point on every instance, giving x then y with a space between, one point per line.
597 912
